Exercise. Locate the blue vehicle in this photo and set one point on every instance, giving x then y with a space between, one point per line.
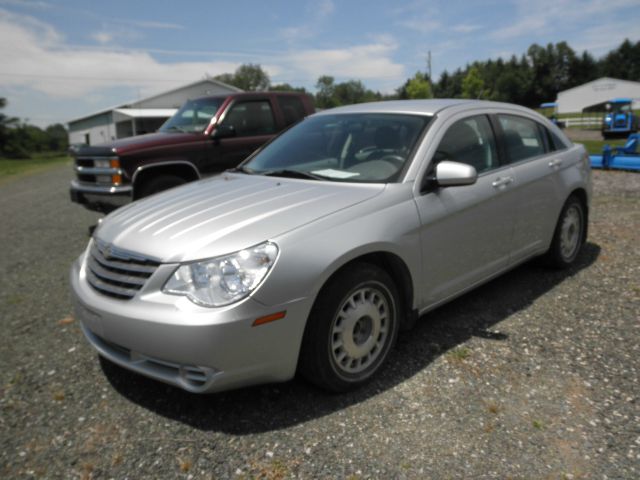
619 158
619 121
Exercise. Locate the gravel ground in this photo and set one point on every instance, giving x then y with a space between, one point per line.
533 376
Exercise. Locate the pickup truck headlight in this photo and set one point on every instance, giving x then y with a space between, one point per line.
223 280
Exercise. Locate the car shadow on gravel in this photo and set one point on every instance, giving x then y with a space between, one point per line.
272 407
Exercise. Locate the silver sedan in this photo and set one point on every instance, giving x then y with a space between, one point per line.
317 250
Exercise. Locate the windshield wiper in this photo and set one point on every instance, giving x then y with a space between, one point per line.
292 174
175 127
242 169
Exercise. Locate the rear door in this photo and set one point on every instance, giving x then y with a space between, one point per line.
466 231
536 163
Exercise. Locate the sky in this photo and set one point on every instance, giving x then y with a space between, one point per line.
61 60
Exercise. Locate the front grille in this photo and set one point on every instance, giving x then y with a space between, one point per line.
117 273
86 178
84 162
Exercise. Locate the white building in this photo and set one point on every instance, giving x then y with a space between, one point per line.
599 91
140 116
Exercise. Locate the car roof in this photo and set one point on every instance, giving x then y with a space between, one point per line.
423 107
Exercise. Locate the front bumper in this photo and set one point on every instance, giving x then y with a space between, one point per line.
100 198
198 349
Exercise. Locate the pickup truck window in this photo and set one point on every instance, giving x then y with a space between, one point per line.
193 116
292 109
251 118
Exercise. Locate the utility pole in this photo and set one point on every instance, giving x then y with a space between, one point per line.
429 64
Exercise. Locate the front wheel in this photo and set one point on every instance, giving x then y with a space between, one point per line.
351 329
568 237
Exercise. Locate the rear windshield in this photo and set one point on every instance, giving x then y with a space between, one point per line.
193 116
359 147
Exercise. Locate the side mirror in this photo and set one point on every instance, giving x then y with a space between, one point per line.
224 131
453 174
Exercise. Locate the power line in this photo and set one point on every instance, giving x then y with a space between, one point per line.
77 77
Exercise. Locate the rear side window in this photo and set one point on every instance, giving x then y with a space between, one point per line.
470 141
555 141
521 137
251 118
292 109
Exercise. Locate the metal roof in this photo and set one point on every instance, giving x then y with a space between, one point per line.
146 112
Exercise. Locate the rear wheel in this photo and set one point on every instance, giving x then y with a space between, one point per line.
351 329
158 184
568 237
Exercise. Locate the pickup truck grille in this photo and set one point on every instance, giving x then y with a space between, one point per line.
97 170
117 273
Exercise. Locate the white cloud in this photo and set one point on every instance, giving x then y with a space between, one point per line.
42 61
324 8
421 24
545 17
39 59
102 37
466 28
363 62
152 24
317 13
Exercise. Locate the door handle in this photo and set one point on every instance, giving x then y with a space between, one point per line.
556 162
502 182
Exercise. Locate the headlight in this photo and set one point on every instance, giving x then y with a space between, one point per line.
108 162
223 280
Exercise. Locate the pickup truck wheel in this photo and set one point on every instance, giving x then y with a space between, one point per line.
569 234
351 329
158 184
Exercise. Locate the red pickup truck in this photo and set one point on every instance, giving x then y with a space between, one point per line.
205 136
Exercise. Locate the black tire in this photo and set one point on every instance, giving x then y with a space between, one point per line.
351 329
569 235
158 184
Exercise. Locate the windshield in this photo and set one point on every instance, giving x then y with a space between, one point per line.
193 116
358 147
621 108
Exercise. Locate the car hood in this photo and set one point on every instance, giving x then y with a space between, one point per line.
127 145
224 214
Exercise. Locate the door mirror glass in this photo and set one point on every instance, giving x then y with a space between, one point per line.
451 174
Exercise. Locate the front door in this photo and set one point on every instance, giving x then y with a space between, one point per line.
253 123
466 231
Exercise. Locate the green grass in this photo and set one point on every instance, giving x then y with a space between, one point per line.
594 147
10 168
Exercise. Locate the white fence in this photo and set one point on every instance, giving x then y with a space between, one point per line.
582 121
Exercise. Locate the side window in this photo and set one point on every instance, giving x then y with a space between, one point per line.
470 141
292 109
522 138
251 118
555 141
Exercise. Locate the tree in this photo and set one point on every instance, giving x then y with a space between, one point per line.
326 90
285 87
473 84
58 138
249 77
623 62
449 85
6 123
332 94
419 87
